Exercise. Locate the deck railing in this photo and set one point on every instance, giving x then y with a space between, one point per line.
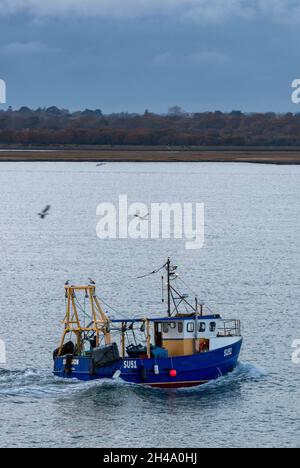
229 328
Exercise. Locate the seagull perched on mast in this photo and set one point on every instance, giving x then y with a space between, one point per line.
45 212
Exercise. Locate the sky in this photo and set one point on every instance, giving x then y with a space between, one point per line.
133 55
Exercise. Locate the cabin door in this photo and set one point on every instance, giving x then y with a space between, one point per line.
158 334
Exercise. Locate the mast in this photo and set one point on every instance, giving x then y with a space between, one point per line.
169 287
174 296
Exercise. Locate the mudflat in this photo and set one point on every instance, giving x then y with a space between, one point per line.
152 155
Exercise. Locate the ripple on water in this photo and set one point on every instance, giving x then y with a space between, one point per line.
40 383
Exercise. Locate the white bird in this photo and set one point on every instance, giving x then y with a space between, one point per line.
45 212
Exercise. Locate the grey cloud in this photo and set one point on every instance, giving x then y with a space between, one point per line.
196 10
195 58
208 58
26 48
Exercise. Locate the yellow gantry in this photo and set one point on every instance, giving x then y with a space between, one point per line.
100 323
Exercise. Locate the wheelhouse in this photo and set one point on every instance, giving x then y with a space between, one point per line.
183 335
186 335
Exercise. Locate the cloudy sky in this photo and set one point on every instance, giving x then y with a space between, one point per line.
134 55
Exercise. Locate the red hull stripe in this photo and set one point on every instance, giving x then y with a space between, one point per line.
178 384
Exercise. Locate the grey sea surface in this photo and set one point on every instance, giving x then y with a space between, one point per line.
249 268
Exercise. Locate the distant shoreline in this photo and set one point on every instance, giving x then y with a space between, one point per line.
259 156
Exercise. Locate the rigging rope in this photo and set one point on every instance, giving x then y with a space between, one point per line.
195 294
82 309
152 272
111 308
188 287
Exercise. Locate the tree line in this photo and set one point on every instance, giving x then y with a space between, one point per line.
54 126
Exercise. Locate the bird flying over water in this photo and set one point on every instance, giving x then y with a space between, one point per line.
101 164
141 217
45 212
91 281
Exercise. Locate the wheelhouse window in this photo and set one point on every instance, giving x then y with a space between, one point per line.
180 327
212 327
167 326
190 327
202 327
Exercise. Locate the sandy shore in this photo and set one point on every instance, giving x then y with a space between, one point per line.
256 156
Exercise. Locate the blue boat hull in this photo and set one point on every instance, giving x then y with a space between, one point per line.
190 370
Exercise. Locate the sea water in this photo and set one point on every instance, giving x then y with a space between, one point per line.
249 269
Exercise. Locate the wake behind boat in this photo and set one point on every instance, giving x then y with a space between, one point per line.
186 348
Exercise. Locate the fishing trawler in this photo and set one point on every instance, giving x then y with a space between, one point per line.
185 348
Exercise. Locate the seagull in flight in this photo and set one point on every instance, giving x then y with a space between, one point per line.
45 212
91 281
101 164
141 217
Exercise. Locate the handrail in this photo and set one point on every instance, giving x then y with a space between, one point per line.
230 327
